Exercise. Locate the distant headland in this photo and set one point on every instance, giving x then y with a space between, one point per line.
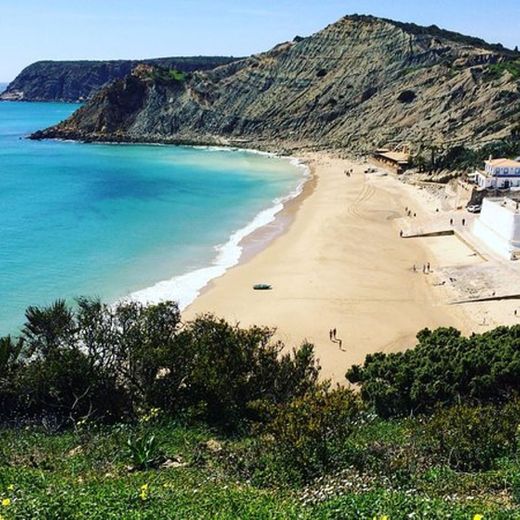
76 81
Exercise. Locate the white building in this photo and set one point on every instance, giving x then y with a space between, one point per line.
498 225
499 173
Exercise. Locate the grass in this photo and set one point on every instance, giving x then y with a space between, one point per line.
86 475
496 70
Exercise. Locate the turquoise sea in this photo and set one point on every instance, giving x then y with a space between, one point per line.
111 221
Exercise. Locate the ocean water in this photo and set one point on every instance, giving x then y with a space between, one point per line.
115 221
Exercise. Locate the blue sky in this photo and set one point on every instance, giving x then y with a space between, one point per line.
32 30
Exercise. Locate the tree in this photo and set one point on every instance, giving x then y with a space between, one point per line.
443 368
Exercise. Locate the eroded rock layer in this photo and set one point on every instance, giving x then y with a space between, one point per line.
359 83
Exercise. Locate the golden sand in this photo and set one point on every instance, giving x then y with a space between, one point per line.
340 264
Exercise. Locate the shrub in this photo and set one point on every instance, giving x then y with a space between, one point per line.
407 96
229 368
113 363
472 438
10 351
460 158
66 387
368 93
443 368
308 434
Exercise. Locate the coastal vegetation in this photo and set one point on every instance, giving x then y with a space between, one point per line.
126 411
444 368
496 70
462 158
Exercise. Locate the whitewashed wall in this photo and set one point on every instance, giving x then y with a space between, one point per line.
498 227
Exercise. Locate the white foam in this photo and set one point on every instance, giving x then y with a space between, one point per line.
185 288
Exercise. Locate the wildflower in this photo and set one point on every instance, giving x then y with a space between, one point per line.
152 414
478 517
10 487
143 495
6 502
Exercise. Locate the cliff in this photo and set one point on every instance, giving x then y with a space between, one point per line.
77 80
359 83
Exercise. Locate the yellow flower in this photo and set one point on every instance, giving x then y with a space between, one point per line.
10 487
6 502
143 495
385 517
478 517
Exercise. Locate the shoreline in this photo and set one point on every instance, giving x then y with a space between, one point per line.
187 287
338 263
260 239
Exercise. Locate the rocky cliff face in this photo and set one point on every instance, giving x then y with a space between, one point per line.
78 80
359 83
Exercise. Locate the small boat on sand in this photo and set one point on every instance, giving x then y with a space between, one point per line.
262 287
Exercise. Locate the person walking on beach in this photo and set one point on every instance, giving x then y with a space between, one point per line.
414 269
451 222
340 344
330 334
428 266
334 333
463 221
401 233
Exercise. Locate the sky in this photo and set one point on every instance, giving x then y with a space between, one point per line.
32 30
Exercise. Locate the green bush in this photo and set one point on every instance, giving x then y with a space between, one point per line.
113 363
308 434
470 438
461 158
230 368
495 70
443 368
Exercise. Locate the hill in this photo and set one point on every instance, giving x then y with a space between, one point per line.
77 80
359 83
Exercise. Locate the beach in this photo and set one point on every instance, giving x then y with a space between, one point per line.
339 264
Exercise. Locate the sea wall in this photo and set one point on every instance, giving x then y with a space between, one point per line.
498 227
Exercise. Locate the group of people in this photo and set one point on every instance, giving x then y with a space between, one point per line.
409 212
333 338
426 269
463 222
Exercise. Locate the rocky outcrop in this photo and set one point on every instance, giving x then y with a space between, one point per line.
359 83
74 81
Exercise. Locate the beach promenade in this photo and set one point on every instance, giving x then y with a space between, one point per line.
339 264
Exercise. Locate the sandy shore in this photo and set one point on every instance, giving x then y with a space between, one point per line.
340 264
